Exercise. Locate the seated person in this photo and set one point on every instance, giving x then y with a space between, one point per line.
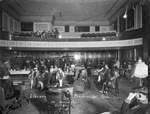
80 80
40 78
31 77
136 102
7 84
47 79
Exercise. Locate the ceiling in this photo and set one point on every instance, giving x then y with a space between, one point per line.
67 10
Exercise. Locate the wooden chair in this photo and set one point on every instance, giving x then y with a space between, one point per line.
57 102
111 86
6 105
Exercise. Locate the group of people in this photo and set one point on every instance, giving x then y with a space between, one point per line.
42 35
44 77
47 35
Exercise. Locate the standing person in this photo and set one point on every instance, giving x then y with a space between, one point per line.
56 33
7 84
7 63
31 77
89 67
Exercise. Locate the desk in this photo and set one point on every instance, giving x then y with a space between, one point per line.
19 77
21 82
20 72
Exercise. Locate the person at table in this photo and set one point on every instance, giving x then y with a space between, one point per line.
40 78
53 74
7 84
52 69
35 77
47 79
7 63
34 73
31 77
103 73
80 80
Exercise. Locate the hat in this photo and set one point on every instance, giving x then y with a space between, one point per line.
142 90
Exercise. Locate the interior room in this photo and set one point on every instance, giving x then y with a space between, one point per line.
74 56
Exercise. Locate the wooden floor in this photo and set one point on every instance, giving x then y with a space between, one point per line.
91 102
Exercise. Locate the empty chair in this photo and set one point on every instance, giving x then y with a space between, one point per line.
58 101
89 35
16 34
103 34
113 33
108 34
83 35
93 35
98 35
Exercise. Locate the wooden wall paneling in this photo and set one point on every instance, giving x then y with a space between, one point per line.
0 24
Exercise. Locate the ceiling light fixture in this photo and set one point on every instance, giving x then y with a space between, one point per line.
125 15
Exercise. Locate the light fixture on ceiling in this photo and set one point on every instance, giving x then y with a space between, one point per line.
125 15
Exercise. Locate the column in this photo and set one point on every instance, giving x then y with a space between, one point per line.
146 41
0 24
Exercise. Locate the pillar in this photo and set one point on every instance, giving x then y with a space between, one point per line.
146 41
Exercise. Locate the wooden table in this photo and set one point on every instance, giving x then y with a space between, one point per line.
21 81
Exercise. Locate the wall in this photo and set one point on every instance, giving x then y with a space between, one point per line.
82 23
121 11
0 24
9 23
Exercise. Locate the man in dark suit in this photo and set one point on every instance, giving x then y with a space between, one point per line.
6 84
136 102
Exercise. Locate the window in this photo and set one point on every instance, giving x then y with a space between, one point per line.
11 24
115 25
130 19
97 28
82 29
122 24
66 28
26 26
5 22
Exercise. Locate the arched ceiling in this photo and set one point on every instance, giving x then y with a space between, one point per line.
67 10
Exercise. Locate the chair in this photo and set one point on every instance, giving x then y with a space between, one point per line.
6 105
58 101
111 86
113 33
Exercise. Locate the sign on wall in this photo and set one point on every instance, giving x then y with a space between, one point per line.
38 26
